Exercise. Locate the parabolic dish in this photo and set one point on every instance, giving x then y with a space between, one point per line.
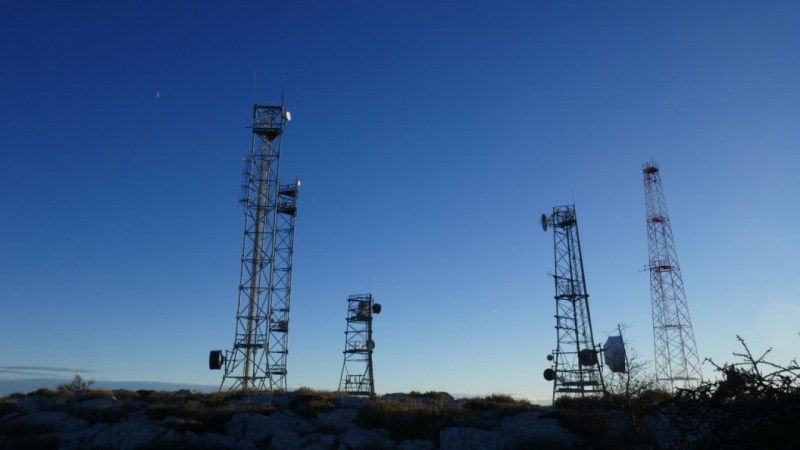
544 222
288 116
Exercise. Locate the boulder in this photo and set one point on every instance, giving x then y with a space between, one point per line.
252 399
34 404
286 441
218 441
351 401
89 435
256 427
530 427
48 421
101 404
660 430
416 444
458 438
192 439
129 435
336 421
362 439
245 445
320 441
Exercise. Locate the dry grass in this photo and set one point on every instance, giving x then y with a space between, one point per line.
410 419
309 402
423 416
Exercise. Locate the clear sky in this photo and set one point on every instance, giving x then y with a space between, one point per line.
429 138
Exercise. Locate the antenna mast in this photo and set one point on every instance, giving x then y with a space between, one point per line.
676 362
357 377
576 367
260 348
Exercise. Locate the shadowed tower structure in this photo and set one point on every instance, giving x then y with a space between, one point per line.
676 362
356 377
576 369
260 347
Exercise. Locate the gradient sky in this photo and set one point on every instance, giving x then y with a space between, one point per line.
429 138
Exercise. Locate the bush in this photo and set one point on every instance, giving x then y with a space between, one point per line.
76 387
410 419
755 404
309 403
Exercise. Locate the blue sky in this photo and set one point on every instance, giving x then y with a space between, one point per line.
429 138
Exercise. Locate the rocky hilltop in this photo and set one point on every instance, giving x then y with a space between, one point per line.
100 419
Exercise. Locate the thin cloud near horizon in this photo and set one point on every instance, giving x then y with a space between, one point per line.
42 370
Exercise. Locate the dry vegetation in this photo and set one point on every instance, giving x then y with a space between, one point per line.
753 404
423 416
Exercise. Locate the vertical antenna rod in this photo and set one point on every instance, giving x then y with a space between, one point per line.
676 362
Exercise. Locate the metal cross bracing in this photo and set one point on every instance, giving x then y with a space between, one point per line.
677 364
576 369
258 358
357 375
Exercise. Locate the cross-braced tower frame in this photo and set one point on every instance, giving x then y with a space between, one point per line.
260 348
677 364
357 377
576 369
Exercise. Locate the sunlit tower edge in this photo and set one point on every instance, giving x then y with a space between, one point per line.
677 364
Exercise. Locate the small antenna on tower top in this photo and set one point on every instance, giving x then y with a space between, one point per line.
254 86
283 87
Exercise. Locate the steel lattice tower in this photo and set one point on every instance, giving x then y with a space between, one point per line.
357 377
676 362
576 369
260 348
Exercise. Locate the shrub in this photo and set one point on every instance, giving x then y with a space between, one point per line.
589 423
435 396
76 387
7 407
410 419
755 404
309 403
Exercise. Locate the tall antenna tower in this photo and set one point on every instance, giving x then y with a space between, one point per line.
576 369
676 362
260 347
356 377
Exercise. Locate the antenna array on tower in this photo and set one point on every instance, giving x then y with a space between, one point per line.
676 362
260 348
357 376
576 369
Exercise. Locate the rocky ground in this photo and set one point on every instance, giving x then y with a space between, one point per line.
100 419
